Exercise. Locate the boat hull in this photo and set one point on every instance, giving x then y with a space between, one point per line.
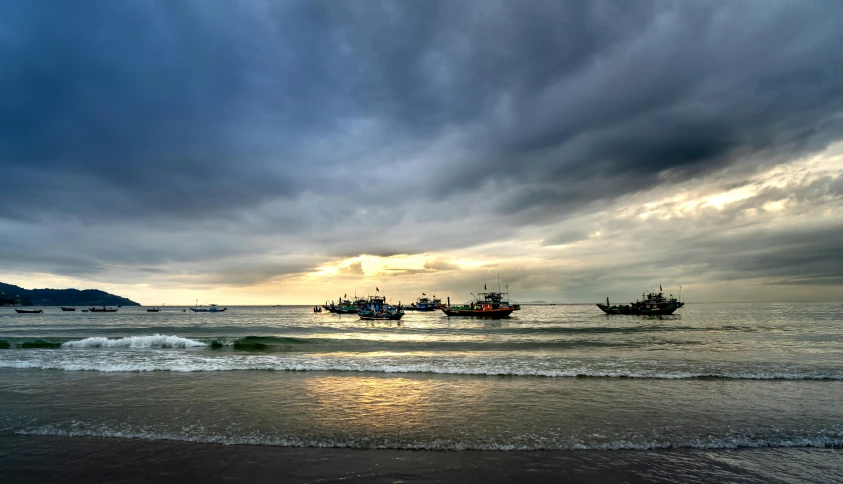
615 309
63 308
29 311
391 317
480 313
94 310
200 310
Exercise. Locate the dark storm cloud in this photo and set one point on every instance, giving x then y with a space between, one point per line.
322 123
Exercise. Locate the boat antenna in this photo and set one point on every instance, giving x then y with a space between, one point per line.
680 292
499 282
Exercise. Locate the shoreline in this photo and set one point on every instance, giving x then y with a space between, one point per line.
59 459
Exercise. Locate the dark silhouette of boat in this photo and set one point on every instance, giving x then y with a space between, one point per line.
29 311
153 310
653 303
317 309
491 305
65 308
212 308
102 310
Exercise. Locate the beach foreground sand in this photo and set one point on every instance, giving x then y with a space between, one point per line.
36 459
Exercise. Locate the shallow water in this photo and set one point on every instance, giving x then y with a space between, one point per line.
557 378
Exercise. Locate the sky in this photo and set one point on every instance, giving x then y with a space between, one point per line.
290 152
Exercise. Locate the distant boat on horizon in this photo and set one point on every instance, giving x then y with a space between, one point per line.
28 311
64 308
212 308
103 310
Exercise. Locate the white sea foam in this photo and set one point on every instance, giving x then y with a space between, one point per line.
413 443
121 361
151 341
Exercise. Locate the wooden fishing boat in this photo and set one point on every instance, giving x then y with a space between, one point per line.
153 310
377 309
212 308
425 304
65 308
29 311
102 310
653 304
491 305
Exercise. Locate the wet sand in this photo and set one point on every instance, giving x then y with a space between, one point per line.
50 459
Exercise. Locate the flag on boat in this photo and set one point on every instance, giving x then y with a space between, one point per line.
660 288
423 294
484 287
378 290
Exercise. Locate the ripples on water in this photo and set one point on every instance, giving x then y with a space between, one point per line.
553 378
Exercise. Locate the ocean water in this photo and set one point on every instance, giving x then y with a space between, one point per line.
759 385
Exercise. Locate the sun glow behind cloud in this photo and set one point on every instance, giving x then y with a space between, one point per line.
574 155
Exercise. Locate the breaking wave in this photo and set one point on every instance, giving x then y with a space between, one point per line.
116 361
153 341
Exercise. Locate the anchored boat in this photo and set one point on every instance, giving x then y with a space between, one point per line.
376 309
102 310
653 303
488 305
212 308
29 311
425 304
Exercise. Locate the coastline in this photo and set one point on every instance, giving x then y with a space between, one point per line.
56 459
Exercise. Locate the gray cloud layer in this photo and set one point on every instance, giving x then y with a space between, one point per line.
144 133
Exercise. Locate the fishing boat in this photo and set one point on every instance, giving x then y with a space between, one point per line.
65 308
425 304
102 310
317 309
153 310
346 306
652 303
492 305
29 311
377 309
212 308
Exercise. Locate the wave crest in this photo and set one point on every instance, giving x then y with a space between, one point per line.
151 341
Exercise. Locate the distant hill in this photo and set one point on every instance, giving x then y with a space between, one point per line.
14 295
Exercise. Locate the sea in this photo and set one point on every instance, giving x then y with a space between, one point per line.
713 393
